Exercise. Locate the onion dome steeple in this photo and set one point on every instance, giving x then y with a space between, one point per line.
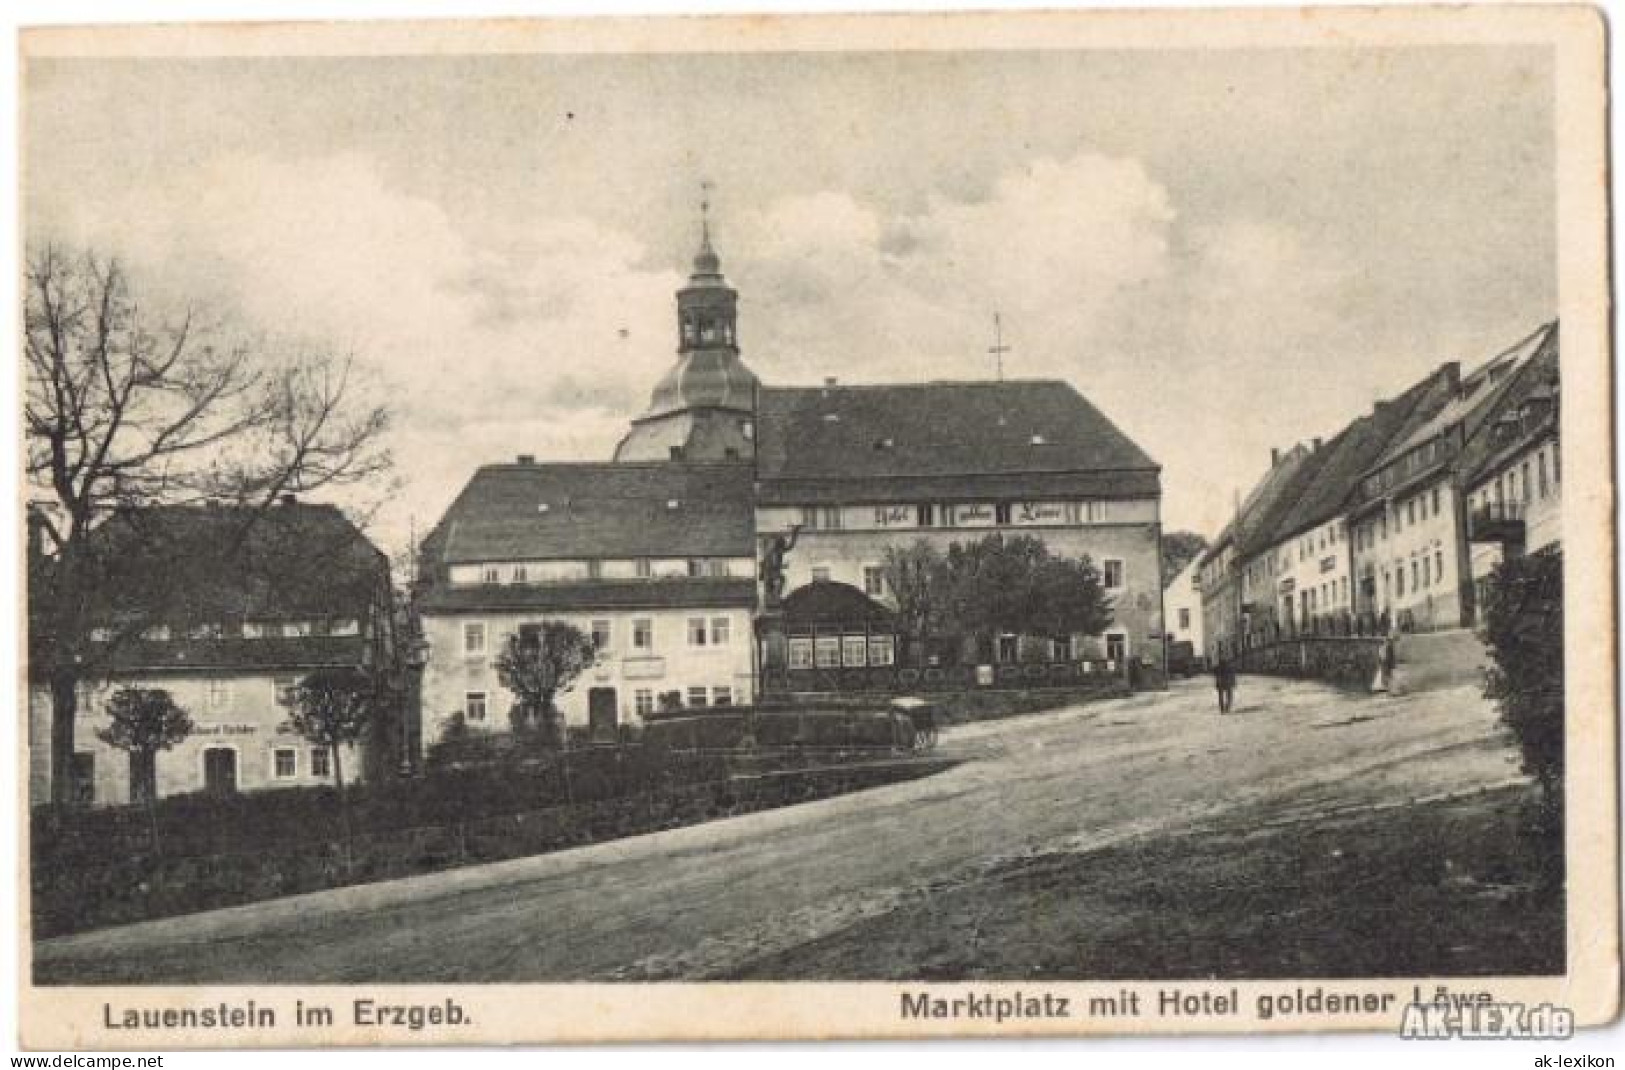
705 404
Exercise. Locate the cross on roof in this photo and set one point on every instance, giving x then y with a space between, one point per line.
998 349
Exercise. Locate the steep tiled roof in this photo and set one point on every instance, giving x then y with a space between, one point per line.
961 439
520 512
187 567
1536 381
1325 489
1477 396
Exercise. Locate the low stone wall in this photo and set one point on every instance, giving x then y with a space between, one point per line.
1345 659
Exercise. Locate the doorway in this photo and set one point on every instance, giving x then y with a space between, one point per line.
601 712
220 771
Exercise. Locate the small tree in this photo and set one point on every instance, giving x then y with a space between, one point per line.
537 663
915 577
144 722
997 585
332 708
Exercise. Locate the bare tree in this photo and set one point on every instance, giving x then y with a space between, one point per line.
124 412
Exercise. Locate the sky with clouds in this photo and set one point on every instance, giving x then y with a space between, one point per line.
1225 250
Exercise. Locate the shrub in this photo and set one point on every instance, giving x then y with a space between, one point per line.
1523 629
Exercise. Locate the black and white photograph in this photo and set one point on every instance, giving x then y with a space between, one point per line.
1105 518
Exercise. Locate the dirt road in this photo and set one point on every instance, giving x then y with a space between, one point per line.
710 900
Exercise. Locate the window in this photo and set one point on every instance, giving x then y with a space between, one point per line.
344 627
1116 646
1410 511
474 707
874 581
716 567
595 569
101 635
1184 620
1438 564
925 516
1074 512
820 573
809 517
722 696
601 634
696 568
285 763
696 698
801 653
1427 571
296 629
492 574
219 694
1540 470
282 687
832 518
643 634
321 762
854 651
721 631
1399 579
828 650
1526 487
1112 573
474 638
1435 501
1001 513
643 701
158 633
696 631
644 568
1415 573
882 650
207 631
520 575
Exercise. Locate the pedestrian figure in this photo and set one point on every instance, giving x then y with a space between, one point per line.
1224 679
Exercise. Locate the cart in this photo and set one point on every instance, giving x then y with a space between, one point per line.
923 716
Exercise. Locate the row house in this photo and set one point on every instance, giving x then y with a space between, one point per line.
654 561
1373 527
1409 510
226 608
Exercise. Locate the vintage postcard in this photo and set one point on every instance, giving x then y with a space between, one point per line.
817 527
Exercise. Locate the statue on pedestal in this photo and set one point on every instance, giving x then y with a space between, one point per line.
774 550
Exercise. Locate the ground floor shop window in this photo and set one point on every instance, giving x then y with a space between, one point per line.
882 650
854 651
801 653
828 650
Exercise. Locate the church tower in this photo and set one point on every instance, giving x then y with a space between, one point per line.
704 409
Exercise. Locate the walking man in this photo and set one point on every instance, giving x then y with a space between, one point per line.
1224 679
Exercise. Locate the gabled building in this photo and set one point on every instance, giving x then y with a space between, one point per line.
226 608
860 469
1512 472
654 561
1408 510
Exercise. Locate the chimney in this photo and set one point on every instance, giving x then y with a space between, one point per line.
1275 456
289 499
1452 374
527 458
830 380
1317 445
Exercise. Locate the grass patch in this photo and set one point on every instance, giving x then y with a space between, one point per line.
1450 889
